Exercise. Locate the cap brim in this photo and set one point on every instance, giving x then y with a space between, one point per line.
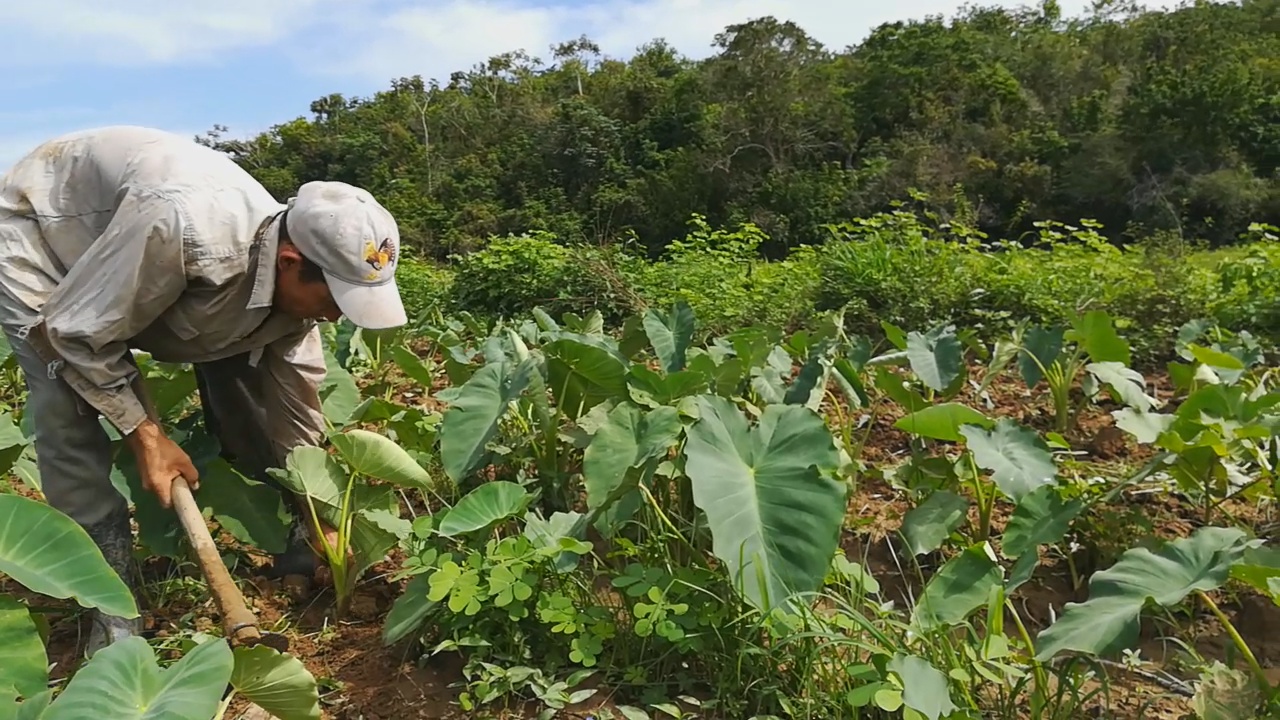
376 307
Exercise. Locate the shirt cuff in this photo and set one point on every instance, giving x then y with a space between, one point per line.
121 406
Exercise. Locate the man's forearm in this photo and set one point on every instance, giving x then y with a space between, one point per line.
148 432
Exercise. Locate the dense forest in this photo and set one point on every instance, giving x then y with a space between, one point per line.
1143 120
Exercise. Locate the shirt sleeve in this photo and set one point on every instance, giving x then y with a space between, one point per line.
294 368
124 282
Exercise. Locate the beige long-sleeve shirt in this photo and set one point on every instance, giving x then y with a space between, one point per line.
127 237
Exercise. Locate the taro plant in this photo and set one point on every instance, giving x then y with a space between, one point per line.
1090 351
125 679
1109 621
1222 437
365 515
684 454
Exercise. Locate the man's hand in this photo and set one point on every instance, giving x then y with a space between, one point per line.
160 461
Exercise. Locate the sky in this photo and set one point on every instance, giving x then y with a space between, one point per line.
185 66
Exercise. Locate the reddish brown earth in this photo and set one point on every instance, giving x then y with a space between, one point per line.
361 679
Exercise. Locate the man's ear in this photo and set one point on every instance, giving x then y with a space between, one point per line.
287 256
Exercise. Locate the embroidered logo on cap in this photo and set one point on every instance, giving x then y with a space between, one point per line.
379 258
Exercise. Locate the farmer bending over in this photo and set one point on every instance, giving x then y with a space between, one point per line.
127 237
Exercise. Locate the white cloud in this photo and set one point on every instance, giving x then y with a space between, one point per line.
438 38
143 32
375 40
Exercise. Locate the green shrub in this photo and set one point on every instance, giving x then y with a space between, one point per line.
423 285
1248 291
892 268
1151 288
513 275
720 274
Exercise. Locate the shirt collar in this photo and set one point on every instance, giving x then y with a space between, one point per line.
266 244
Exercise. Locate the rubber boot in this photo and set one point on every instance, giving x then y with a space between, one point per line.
114 538
298 557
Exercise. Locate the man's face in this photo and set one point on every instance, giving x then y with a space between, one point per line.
301 297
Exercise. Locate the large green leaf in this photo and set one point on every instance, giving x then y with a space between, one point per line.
582 375
490 503
314 473
1259 567
1108 621
552 534
1126 383
774 508
311 471
959 587
253 512
936 357
413 366
13 443
928 524
170 388
159 530
124 682
377 456
23 661
1145 427
810 384
339 394
409 610
1018 459
31 708
1040 348
629 438
652 389
942 422
1042 517
276 682
376 526
924 688
48 553
472 418
1096 333
671 335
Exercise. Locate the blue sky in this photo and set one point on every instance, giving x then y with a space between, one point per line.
184 66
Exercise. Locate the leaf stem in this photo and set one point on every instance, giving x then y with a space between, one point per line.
1240 644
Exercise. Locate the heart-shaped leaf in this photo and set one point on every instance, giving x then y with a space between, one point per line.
23 661
479 509
124 682
928 524
1018 459
942 422
671 335
1108 621
378 456
472 418
48 553
936 358
774 508
276 682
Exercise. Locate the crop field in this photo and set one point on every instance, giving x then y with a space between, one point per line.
549 518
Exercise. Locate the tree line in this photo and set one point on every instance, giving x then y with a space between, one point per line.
1145 120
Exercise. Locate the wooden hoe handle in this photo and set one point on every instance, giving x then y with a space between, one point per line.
238 622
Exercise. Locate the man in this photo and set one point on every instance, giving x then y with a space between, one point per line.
126 237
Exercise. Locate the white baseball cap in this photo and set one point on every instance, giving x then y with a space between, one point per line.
356 242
